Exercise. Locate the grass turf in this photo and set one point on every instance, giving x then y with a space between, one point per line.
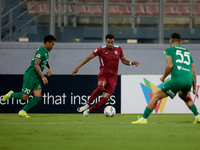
97 132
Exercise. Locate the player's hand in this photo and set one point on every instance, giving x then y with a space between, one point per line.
162 79
49 72
196 93
74 71
45 81
135 63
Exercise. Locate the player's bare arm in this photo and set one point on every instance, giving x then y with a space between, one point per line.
194 81
168 68
39 72
127 62
49 69
91 56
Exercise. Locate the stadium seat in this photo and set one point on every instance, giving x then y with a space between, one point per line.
70 10
169 11
142 0
139 10
152 10
123 10
37 9
94 9
196 10
196 1
184 1
112 10
46 8
171 1
182 10
154 0
81 10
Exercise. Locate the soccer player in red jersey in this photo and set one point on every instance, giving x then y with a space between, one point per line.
109 56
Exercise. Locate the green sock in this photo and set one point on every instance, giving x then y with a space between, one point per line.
147 112
17 95
31 103
194 109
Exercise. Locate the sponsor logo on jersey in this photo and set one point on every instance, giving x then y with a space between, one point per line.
181 68
38 55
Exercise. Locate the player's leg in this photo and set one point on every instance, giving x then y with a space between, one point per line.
111 82
15 95
98 105
37 96
150 107
32 85
95 93
189 102
102 102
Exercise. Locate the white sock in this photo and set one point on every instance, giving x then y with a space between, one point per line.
23 111
197 116
142 118
86 106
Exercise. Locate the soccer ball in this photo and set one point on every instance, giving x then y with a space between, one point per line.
109 111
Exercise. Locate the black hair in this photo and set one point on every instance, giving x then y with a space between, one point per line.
49 38
175 37
110 36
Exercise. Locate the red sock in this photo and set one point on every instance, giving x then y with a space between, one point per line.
98 105
95 93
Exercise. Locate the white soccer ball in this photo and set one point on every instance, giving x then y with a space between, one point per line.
109 111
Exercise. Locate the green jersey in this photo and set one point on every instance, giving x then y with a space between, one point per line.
43 55
182 62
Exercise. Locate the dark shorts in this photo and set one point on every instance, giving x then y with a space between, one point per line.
110 82
172 87
30 83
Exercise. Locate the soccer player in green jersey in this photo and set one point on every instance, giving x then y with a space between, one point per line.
183 76
33 75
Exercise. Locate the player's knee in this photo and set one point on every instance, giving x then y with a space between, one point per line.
100 88
25 97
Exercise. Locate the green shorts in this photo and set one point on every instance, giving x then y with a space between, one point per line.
30 83
173 86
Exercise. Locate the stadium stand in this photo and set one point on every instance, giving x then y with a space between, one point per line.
171 1
139 10
112 10
70 9
154 0
182 10
46 8
152 10
196 10
184 1
170 11
142 0
123 10
94 9
35 10
81 10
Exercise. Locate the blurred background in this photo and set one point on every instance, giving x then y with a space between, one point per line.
88 21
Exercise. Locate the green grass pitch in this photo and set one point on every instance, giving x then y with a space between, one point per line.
97 132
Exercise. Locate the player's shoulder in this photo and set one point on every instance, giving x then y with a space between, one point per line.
40 49
117 47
